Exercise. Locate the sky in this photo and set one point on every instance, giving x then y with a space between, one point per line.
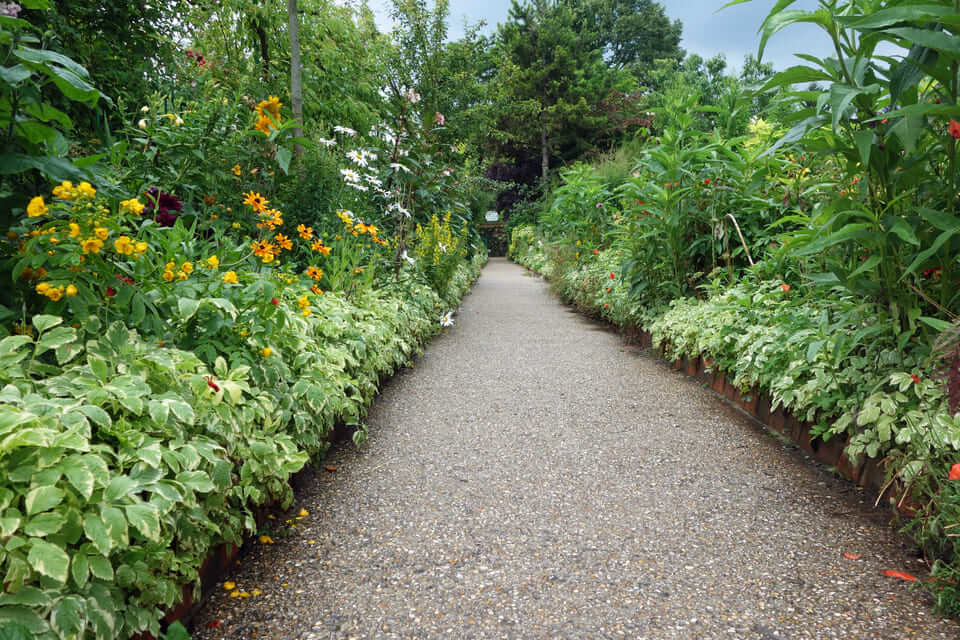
706 31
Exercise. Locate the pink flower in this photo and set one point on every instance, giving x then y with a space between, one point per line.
439 118
954 129
785 287
599 204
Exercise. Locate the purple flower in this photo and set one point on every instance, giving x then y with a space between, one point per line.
9 9
599 204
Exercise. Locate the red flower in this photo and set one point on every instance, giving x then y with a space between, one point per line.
706 181
955 129
213 385
915 378
274 301
954 472
676 184
785 287
612 276
606 305
111 292
596 252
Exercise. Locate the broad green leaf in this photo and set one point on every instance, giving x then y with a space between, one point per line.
57 338
188 308
100 417
159 411
943 42
49 560
69 616
196 480
145 518
42 499
44 524
29 596
13 343
925 255
97 533
80 569
44 322
101 568
864 142
935 323
904 232
116 525
14 75
181 410
284 155
44 57
895 15
9 525
99 367
119 487
15 621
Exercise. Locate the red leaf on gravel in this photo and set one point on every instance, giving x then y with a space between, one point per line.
852 556
214 624
901 575
330 468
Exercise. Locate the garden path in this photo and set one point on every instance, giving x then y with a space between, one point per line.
534 477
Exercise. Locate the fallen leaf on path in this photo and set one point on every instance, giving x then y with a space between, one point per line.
214 624
901 575
229 586
266 540
330 467
852 556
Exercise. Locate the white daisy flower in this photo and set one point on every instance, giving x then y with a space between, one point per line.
357 157
406 257
358 187
326 142
350 174
397 165
373 180
446 320
346 130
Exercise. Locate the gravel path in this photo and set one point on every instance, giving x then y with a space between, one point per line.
534 477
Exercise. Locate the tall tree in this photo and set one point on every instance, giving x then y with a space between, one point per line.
634 34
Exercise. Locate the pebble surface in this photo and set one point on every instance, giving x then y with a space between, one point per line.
532 476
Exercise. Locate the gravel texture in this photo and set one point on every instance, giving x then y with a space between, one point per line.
534 477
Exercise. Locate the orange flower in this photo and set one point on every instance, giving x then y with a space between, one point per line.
283 242
314 272
954 472
255 200
785 288
305 232
954 129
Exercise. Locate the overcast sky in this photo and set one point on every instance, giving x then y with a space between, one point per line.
706 31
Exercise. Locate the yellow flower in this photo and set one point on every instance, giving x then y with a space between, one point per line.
303 301
187 267
283 242
142 247
124 245
230 277
181 275
264 124
270 106
265 352
91 245
71 291
36 208
255 200
65 190
74 229
86 190
256 592
306 312
314 272
305 232
357 271
133 206
168 276
42 287
54 293
235 225
229 586
317 290
213 262
101 232
237 170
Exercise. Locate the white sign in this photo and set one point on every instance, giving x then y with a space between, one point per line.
492 216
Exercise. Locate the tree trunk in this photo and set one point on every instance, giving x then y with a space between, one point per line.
264 49
296 86
544 151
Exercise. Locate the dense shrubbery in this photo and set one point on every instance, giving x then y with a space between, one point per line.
191 309
815 258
